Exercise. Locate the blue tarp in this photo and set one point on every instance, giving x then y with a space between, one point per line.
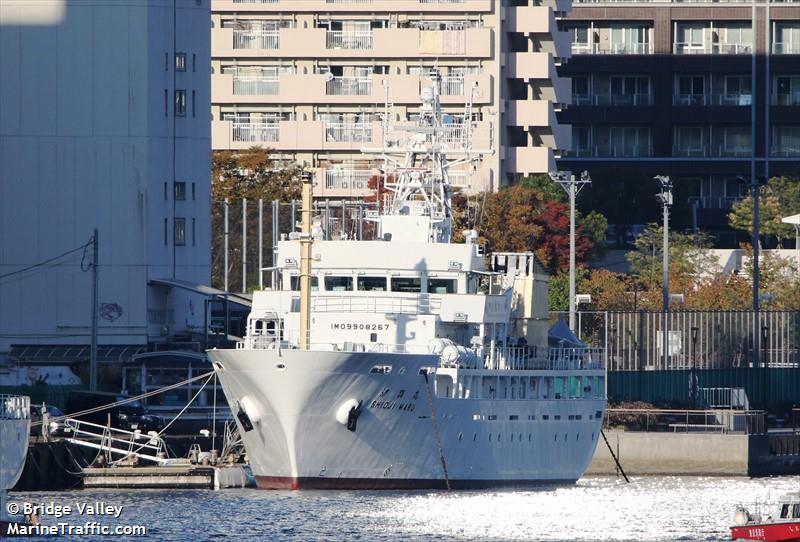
561 336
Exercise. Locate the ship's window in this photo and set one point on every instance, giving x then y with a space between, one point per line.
532 416
491 417
571 416
460 435
441 286
296 283
338 284
476 416
796 510
785 511
513 417
371 284
578 416
546 417
406 284
557 417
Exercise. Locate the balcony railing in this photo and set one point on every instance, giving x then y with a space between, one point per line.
253 132
715 49
459 179
712 99
452 86
348 39
786 48
689 151
785 150
256 1
348 86
255 86
623 99
347 179
348 132
612 49
441 1
706 151
786 98
249 39
621 151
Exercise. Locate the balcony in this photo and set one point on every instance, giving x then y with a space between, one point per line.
349 179
786 48
612 49
786 98
255 39
785 151
715 49
385 43
348 39
530 160
254 132
642 99
318 135
357 6
348 132
255 86
540 66
622 151
712 99
320 89
349 86
705 151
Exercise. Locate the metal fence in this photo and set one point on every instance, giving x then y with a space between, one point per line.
695 339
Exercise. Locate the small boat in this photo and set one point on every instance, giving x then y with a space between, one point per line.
785 528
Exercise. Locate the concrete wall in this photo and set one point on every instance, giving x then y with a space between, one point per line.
88 139
673 453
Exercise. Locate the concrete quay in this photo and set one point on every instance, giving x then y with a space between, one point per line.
699 454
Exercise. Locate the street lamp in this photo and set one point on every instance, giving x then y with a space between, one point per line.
572 186
755 184
665 196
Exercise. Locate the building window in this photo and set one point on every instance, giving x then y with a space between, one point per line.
580 90
787 90
180 232
581 39
581 140
690 90
736 141
737 90
689 38
180 62
689 141
180 103
194 231
786 38
630 90
180 191
630 40
786 141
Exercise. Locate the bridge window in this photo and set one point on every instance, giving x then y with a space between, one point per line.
406 284
441 286
371 284
296 283
339 284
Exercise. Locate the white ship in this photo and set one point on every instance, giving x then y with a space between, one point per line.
410 361
14 432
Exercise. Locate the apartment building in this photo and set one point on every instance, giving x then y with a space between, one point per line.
310 80
701 91
103 124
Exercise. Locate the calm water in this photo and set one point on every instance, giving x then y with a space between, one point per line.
597 508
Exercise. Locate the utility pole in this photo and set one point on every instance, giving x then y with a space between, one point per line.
572 186
665 196
755 184
226 235
244 245
93 347
260 244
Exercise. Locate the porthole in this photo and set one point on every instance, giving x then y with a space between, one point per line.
281 366
474 437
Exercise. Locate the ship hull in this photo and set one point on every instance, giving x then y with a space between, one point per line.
770 532
406 434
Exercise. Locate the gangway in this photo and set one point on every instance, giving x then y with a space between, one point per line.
149 446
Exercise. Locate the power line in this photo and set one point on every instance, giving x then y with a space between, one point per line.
45 262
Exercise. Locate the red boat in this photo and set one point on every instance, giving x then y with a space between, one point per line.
785 528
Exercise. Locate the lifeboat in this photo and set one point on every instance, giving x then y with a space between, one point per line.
784 528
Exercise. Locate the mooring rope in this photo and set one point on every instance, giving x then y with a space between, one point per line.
436 435
127 400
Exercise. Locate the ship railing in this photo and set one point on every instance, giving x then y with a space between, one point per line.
15 407
117 441
542 358
422 304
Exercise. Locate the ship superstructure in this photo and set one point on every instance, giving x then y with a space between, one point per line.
410 360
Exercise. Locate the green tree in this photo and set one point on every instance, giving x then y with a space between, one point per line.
780 198
558 291
545 186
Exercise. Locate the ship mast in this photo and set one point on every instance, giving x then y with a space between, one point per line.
305 265
417 159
